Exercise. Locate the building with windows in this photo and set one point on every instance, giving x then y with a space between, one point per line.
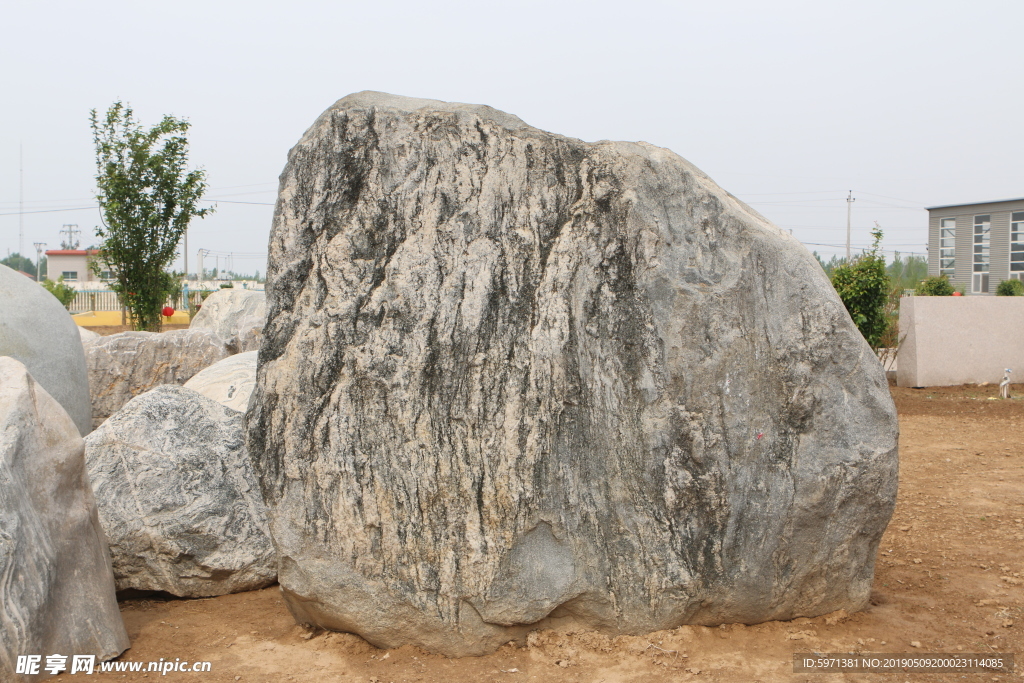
977 245
73 266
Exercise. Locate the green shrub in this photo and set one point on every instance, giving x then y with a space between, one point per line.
934 286
864 288
65 293
1010 288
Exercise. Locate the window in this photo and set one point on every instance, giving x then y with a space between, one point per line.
1017 245
947 246
982 234
70 275
106 275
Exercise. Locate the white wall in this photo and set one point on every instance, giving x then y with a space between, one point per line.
960 340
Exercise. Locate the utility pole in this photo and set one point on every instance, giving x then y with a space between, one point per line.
39 250
21 199
70 229
849 205
202 272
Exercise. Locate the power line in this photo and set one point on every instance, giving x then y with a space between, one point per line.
239 194
246 254
21 197
52 201
23 213
780 194
226 201
909 201
213 190
865 246
96 206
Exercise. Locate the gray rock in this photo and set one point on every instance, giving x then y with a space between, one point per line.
235 315
229 382
56 586
511 379
125 365
178 498
86 334
250 334
36 330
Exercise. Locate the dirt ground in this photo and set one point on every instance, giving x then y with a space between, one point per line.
950 578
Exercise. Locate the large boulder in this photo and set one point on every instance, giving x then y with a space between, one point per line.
178 498
122 366
229 382
56 586
511 379
235 315
38 331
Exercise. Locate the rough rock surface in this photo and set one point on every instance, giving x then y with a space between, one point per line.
178 498
56 586
229 382
235 315
125 365
36 330
511 379
250 335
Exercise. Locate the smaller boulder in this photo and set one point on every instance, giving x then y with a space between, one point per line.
56 585
250 335
122 366
178 498
235 315
86 334
39 332
229 382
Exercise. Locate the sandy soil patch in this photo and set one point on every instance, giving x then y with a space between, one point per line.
950 578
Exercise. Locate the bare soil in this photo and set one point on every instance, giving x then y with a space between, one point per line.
950 578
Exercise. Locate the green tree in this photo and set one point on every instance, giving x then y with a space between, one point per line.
905 273
1010 288
65 293
831 264
18 262
935 286
147 200
863 285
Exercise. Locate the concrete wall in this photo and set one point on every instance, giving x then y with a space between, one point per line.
960 340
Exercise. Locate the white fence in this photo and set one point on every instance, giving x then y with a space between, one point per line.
106 300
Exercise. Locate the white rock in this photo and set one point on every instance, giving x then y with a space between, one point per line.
38 331
56 585
229 382
177 497
509 376
125 365
86 334
235 315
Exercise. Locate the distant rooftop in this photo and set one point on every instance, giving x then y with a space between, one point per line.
994 201
71 252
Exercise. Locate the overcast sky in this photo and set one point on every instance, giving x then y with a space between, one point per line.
787 105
